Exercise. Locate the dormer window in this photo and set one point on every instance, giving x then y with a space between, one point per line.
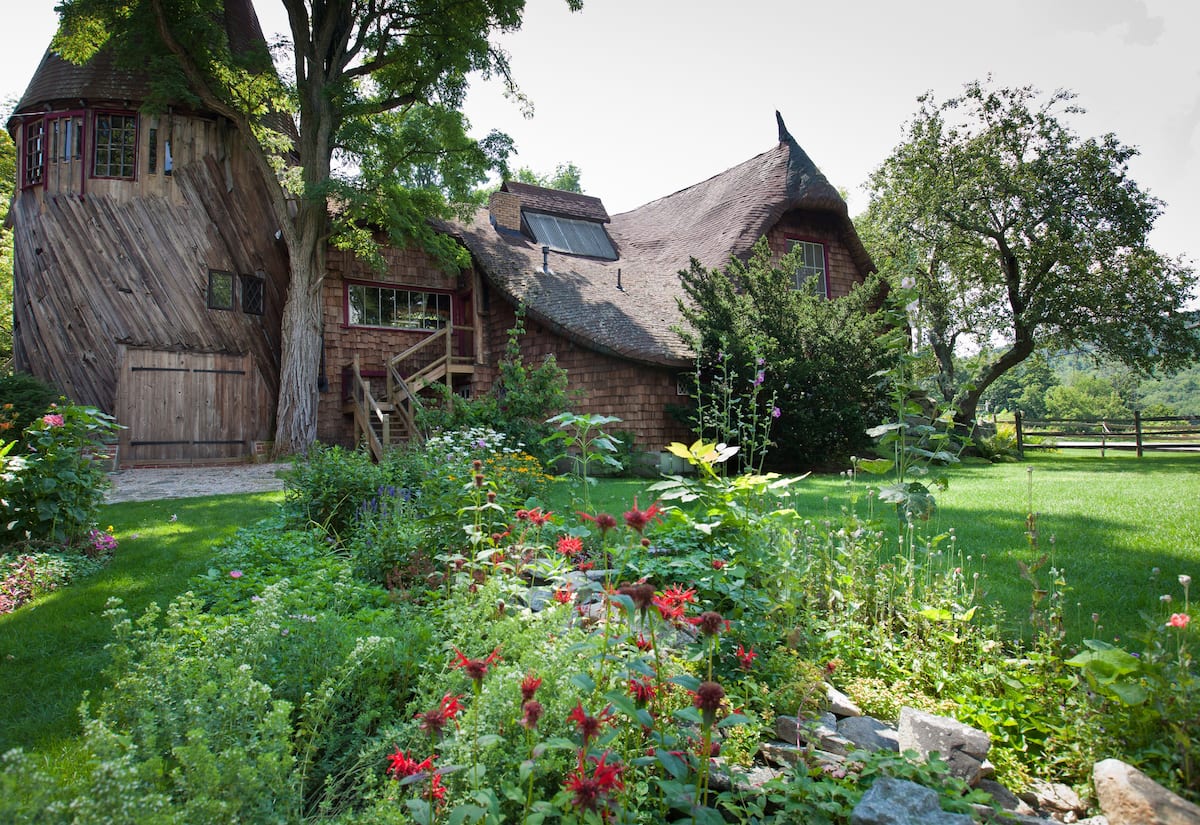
811 273
570 235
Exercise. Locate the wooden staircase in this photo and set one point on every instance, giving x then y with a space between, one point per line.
383 422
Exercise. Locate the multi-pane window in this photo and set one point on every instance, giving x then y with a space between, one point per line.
383 306
115 146
810 273
35 152
220 289
253 300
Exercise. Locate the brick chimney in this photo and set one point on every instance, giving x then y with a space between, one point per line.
505 210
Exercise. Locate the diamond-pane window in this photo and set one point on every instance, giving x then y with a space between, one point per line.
253 294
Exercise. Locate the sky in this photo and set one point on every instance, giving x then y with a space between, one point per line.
648 97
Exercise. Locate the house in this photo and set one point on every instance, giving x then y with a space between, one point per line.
149 280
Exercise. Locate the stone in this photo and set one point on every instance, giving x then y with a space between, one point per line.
720 778
1057 798
893 801
820 732
840 705
1127 796
986 813
868 733
785 755
1005 798
963 747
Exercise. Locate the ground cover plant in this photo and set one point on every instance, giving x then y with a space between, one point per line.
519 657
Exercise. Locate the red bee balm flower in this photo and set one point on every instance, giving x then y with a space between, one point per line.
591 792
476 668
708 698
529 686
539 519
570 546
531 712
565 595
710 623
590 726
602 520
638 519
642 690
745 657
434 720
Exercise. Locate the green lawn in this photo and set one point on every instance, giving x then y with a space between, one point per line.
53 650
1106 523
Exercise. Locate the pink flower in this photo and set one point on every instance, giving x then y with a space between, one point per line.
1179 620
52 420
776 412
235 574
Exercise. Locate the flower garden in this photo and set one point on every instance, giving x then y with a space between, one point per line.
456 635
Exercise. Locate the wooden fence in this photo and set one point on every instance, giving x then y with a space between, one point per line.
1164 433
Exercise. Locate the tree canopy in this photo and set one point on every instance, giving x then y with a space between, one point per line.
1019 233
371 86
566 177
8 177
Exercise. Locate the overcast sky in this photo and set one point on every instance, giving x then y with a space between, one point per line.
650 96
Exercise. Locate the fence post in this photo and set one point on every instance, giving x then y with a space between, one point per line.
1020 436
1137 429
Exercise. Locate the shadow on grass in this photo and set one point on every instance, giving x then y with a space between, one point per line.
53 651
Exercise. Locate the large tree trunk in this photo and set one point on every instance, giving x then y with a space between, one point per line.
301 336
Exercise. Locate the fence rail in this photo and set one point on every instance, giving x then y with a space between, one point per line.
1163 433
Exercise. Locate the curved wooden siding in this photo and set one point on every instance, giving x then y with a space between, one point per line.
101 271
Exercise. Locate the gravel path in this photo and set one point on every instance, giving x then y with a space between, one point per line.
188 482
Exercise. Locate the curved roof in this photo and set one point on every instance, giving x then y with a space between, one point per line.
628 307
101 78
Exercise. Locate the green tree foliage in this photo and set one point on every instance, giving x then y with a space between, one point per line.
567 177
1021 388
1088 397
819 357
1018 231
373 86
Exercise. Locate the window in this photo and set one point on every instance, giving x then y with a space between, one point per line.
810 274
220 289
35 152
116 146
152 153
253 288
382 306
569 235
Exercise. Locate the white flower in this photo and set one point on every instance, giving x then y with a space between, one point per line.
1185 579
908 282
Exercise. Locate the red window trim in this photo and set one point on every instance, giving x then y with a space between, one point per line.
23 152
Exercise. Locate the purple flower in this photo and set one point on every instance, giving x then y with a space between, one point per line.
760 361
758 379
235 574
776 412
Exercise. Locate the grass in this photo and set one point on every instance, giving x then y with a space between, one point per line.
54 650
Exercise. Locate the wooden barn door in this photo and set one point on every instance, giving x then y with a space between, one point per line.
185 406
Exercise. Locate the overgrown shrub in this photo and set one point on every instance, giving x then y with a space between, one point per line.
54 491
23 400
328 487
752 329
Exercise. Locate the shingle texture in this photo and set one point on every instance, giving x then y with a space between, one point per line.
712 221
556 202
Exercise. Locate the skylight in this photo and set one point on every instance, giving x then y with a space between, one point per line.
572 236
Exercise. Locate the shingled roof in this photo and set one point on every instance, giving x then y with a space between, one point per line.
628 307
101 79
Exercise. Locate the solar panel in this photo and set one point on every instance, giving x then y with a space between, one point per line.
572 236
